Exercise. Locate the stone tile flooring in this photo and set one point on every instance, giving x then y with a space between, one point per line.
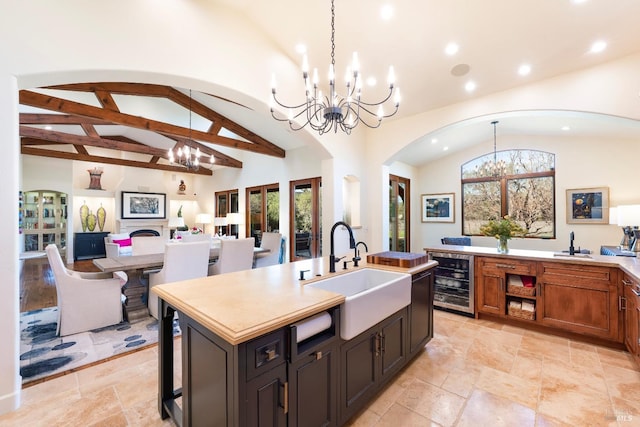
473 373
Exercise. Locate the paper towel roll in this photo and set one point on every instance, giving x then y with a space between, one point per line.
313 325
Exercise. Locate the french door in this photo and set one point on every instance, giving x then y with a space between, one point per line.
306 219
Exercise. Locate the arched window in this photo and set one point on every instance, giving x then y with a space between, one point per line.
518 183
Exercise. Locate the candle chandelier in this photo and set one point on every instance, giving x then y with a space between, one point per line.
495 168
334 111
188 157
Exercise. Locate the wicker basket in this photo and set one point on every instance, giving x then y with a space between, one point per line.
522 314
521 290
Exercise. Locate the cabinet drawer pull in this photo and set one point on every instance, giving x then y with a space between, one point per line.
622 306
285 405
627 282
509 266
636 293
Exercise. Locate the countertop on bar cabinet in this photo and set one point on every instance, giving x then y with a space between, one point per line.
629 265
246 304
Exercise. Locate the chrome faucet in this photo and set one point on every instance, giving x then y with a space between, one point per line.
572 250
352 245
356 253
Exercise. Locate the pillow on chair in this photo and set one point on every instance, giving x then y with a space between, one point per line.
122 242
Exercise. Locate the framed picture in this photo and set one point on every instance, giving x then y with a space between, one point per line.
438 207
588 205
143 205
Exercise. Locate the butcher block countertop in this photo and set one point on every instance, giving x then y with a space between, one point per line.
630 265
247 304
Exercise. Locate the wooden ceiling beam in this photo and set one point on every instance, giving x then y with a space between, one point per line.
67 138
218 121
59 119
109 160
52 103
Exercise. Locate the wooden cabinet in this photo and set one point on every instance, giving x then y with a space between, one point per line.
44 219
89 245
631 308
580 298
421 311
369 360
491 281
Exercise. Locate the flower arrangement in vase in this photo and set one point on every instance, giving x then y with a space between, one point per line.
502 230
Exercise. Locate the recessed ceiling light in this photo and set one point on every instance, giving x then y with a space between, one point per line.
434 140
578 1
47 127
598 46
371 81
451 49
301 48
386 12
470 86
565 128
524 69
445 148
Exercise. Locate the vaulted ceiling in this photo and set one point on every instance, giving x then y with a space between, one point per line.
39 134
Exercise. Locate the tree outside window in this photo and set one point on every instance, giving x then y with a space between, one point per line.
518 183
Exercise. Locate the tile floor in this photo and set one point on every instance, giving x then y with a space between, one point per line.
473 373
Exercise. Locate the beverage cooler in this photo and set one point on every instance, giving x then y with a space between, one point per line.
454 282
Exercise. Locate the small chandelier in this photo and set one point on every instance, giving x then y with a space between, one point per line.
188 157
496 168
334 111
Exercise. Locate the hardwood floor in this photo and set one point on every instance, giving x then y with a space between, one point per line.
37 284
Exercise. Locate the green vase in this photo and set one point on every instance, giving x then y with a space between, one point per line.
503 246
91 221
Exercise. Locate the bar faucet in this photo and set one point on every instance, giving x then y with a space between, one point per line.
572 250
352 245
356 255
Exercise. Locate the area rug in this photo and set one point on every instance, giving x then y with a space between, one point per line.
43 353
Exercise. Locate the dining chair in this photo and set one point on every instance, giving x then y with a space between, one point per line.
182 261
235 255
86 301
145 245
270 241
197 237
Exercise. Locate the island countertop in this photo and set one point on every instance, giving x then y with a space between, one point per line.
246 304
630 265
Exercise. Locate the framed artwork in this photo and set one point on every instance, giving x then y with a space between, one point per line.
143 205
588 205
438 207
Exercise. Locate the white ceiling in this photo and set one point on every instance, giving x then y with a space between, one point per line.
495 37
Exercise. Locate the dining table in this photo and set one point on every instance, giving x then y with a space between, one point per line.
137 267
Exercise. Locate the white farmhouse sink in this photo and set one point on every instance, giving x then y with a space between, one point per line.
371 296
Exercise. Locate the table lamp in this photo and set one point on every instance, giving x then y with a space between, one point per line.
175 222
220 221
204 219
234 218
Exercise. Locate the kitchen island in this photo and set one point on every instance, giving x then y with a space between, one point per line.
242 363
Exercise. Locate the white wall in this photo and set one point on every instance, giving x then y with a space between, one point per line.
580 163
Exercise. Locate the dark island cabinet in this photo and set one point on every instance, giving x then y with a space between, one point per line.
276 379
313 388
421 311
369 360
89 245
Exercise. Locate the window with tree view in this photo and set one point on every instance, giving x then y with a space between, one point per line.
518 183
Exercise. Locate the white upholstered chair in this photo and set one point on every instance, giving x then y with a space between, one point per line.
235 255
197 237
182 261
117 245
144 245
269 241
86 301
